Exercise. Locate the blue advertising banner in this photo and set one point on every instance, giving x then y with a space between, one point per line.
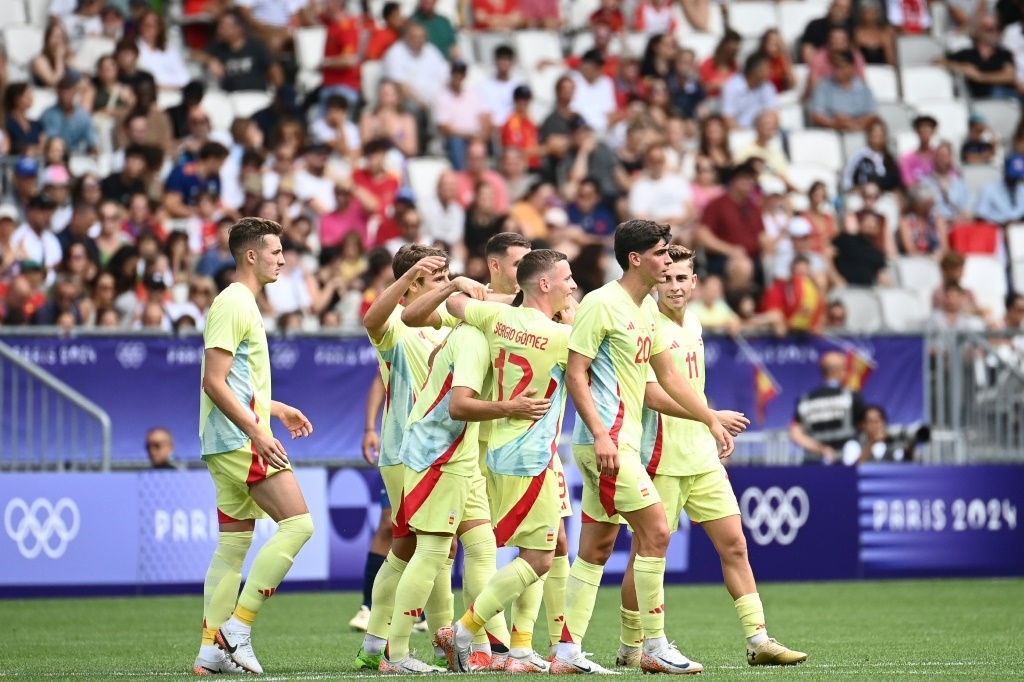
154 381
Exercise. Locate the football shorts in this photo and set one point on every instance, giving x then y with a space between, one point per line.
604 497
233 472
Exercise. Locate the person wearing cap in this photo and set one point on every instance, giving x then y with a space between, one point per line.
919 163
746 95
24 186
594 96
68 121
460 116
987 66
732 231
843 102
982 142
496 91
1002 202
519 131
659 195
797 242
189 179
35 239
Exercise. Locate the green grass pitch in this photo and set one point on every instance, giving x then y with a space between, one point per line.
900 630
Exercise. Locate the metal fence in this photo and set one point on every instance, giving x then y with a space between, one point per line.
52 426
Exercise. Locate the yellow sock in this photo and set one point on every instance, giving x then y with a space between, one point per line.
481 553
751 613
414 589
244 615
220 590
554 597
631 632
383 604
273 562
524 614
440 606
580 595
649 576
505 586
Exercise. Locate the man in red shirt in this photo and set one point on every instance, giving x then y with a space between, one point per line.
797 298
375 179
387 35
341 64
603 35
496 15
519 131
732 232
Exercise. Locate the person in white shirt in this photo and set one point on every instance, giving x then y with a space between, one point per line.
746 95
167 66
34 237
460 116
594 97
313 184
444 219
496 91
660 196
336 130
419 68
271 20
85 21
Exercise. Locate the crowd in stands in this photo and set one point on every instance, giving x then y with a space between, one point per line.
455 121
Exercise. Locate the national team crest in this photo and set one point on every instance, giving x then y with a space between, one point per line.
451 518
551 535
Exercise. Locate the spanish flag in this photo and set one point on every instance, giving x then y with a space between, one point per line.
765 390
858 368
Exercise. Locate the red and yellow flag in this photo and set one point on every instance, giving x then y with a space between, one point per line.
858 368
765 390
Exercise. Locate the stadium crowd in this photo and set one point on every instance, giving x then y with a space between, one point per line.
437 126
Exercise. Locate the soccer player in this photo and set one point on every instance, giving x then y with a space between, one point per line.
529 351
614 338
403 354
683 461
250 467
440 453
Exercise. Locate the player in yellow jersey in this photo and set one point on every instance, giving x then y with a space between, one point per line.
528 350
614 338
683 461
250 467
403 355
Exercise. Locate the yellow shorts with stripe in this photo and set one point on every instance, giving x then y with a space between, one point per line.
604 498
434 500
565 502
704 497
233 473
526 509
394 480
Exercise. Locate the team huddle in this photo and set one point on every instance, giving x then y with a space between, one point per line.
476 380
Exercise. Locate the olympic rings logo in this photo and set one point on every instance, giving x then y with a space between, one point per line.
774 515
41 526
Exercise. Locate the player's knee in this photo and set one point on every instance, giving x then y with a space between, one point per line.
540 563
734 549
653 542
300 526
599 552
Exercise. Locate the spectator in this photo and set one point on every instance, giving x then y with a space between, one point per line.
780 65
314 184
419 68
336 129
82 23
980 145
816 32
354 206
953 200
496 91
603 37
378 182
112 97
1002 202
34 238
22 298
56 184
529 213
477 172
685 87
766 147
588 213
821 67
594 94
608 14
826 417
514 171
191 98
63 299
798 242
26 136
720 67
155 132
383 37
843 102
705 186
295 290
952 316
544 15
410 230
111 237
746 96
499 16
167 66
272 21
987 66
219 257
797 298
874 163
858 255
236 60
141 219
835 316
654 16
190 178
444 219
588 156
126 54
872 37
918 164
519 131
9 256
483 219
659 55
951 266
909 16
922 232
711 310
873 444
441 33
68 121
460 116
1014 319
660 196
341 65
387 120
714 144
56 59
883 237
25 185
732 232
558 122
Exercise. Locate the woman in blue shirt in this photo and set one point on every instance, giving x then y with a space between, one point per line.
26 135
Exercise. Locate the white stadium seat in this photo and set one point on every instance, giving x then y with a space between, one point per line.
535 46
794 17
852 142
802 177
751 19
165 99
791 117
977 175
896 115
245 103
951 114
919 274
883 81
902 309
702 44
371 74
12 13
218 107
816 146
22 43
985 276
1015 241
38 13
42 99
863 311
579 12
926 83
93 47
1002 115
309 47
423 175
914 50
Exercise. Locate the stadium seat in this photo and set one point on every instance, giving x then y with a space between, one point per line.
791 117
715 29
579 12
889 206
42 99
38 13
802 177
535 46
93 47
917 50
635 43
816 146
1017 270
985 276
309 47
741 137
852 142
951 114
896 115
919 274
1002 115
486 42
902 309
926 83
467 47
371 73
977 175
863 310
905 142
80 164
751 19
794 17
165 99
423 174
22 43
12 13
883 81
218 107
1015 242
247 102
543 83
702 44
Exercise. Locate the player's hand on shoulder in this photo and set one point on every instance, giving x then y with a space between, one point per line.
471 287
270 450
524 406
734 422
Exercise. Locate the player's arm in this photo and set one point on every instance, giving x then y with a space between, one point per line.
215 385
374 402
423 311
681 392
457 304
376 318
809 443
466 406
292 418
658 400
576 382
